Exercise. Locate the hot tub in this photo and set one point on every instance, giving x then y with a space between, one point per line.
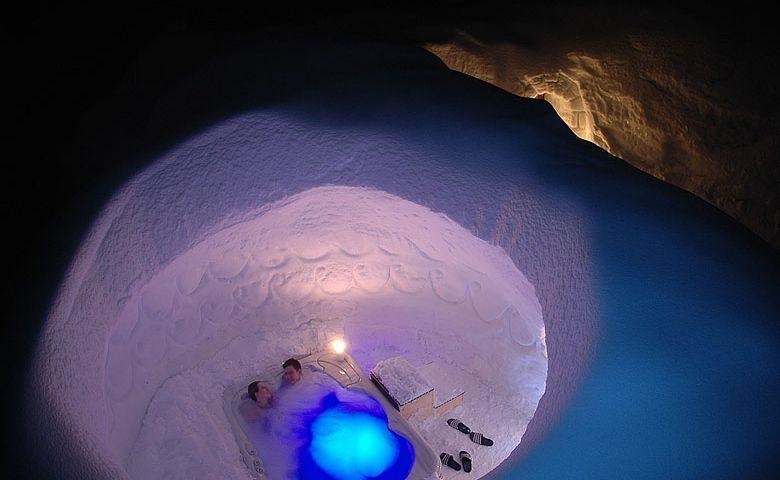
350 432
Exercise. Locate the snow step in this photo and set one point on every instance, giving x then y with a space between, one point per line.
446 384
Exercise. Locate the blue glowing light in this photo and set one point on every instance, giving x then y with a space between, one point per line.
353 442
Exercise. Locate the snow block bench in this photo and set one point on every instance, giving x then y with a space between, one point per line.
407 390
411 391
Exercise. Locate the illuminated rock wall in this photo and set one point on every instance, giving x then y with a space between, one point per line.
669 104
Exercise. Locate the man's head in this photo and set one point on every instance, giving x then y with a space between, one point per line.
292 370
260 393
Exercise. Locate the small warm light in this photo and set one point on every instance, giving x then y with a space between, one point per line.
338 345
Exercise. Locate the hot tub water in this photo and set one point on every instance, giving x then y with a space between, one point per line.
317 429
352 441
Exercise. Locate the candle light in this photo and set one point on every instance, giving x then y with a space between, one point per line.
338 345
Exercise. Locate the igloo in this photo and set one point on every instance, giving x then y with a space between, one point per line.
182 288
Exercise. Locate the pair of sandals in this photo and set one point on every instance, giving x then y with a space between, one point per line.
465 458
475 437
450 461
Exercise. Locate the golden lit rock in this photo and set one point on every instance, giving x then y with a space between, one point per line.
668 103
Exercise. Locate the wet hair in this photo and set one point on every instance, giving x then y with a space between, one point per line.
292 362
252 389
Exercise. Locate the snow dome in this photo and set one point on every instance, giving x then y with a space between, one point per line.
216 262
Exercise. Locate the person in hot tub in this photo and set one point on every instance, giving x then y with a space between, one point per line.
294 379
261 394
302 392
292 371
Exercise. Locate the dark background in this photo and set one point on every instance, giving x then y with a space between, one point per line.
84 92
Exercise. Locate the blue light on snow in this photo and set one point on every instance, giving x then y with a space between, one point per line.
353 442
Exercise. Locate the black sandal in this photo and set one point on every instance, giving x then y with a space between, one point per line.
449 460
478 438
455 423
465 459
